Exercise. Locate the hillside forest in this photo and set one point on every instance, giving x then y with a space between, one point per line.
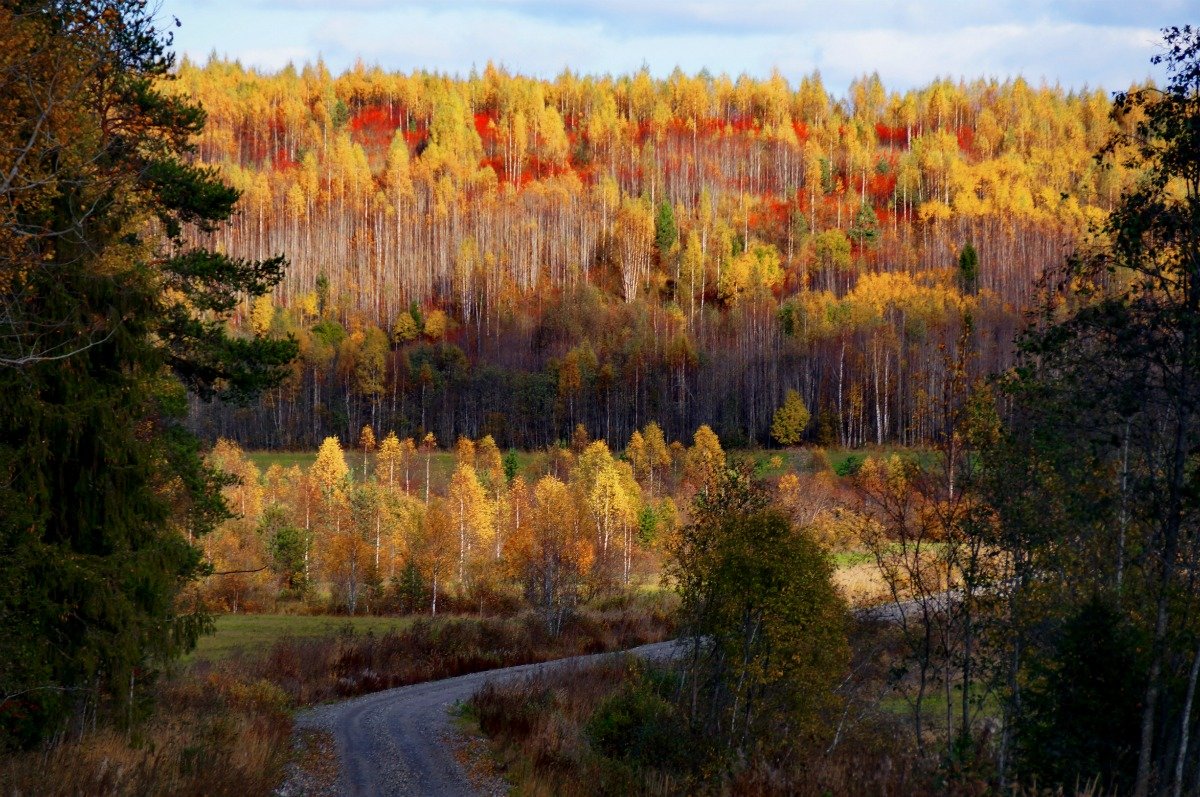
507 256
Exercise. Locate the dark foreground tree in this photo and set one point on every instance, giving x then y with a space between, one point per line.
1081 706
106 320
1095 483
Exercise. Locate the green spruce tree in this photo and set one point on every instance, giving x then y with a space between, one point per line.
968 269
107 319
666 233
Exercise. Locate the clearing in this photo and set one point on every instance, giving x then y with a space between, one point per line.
257 632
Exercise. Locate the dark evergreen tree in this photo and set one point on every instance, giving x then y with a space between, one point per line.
107 319
968 269
1082 700
865 231
666 232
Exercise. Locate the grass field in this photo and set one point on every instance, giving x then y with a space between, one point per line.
256 632
284 459
985 704
843 559
773 463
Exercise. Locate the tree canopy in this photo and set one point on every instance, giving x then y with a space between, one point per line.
668 225
790 420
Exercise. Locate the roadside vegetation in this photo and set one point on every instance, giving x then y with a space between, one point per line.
622 728
221 724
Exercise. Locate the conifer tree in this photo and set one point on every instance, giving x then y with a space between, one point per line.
968 268
107 319
666 232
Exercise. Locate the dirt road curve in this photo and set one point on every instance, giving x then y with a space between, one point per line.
398 742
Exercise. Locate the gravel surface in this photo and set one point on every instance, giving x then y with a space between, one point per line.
313 771
403 742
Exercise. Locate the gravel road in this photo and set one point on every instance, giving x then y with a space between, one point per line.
401 742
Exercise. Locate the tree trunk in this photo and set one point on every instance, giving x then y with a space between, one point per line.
1185 726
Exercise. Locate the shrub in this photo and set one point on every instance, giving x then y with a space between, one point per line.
768 624
640 726
850 465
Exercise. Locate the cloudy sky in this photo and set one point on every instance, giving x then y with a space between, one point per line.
1105 43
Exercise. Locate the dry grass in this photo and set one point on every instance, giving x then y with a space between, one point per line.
537 727
861 584
311 670
210 736
224 727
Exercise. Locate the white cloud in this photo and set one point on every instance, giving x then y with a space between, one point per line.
910 43
274 58
1072 54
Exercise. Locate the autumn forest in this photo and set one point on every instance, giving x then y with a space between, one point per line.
608 433
476 256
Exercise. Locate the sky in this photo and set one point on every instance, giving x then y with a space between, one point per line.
1076 43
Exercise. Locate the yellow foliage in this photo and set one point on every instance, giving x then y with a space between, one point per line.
309 304
934 211
755 270
262 314
330 471
472 516
244 497
436 325
390 460
705 459
464 451
404 328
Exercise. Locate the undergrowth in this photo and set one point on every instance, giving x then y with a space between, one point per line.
619 728
224 728
210 735
325 668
